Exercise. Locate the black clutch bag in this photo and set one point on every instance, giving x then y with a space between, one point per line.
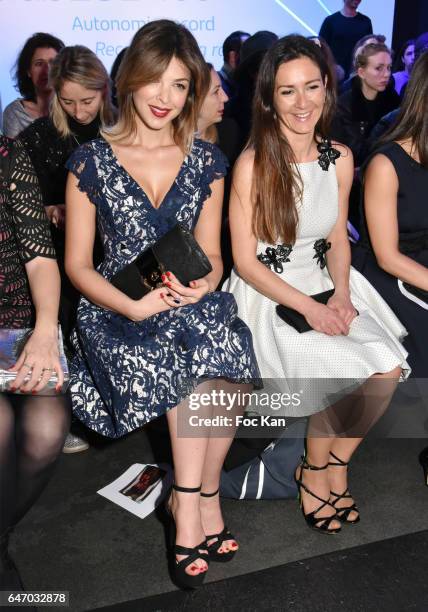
177 252
297 320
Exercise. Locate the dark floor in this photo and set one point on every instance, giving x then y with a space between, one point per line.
386 575
75 540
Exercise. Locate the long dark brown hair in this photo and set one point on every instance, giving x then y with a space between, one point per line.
276 183
147 57
411 122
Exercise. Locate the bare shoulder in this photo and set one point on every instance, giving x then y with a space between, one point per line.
346 159
243 169
380 165
344 164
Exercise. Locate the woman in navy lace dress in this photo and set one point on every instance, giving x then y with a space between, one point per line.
135 358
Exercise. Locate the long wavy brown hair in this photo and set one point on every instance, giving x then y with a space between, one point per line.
411 122
276 182
147 57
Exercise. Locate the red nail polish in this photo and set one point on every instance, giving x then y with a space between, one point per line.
168 273
169 284
193 567
58 389
33 392
13 389
163 277
161 295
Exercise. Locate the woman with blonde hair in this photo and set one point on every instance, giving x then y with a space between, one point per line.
368 98
140 357
80 107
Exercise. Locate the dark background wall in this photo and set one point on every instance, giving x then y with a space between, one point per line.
410 20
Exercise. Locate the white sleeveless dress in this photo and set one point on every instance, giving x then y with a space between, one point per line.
317 367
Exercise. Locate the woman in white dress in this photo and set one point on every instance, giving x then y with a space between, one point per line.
288 215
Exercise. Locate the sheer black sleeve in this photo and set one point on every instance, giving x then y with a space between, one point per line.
25 201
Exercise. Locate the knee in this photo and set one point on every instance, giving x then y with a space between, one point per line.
394 374
45 446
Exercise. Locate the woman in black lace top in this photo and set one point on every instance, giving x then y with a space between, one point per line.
32 429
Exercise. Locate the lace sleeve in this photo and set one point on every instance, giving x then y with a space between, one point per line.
82 165
215 167
25 200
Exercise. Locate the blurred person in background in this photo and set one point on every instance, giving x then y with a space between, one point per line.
343 29
31 80
214 127
231 58
360 108
406 58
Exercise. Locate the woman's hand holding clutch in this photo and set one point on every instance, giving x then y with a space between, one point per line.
325 320
180 295
172 295
37 362
341 303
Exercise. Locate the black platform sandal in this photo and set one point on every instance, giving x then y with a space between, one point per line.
343 512
319 523
223 536
178 568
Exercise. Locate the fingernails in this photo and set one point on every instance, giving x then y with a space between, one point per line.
234 545
168 284
13 389
163 277
58 388
193 567
168 273
33 392
162 295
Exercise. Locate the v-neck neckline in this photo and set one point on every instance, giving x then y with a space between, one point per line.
140 187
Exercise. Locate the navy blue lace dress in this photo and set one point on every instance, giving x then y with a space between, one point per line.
125 373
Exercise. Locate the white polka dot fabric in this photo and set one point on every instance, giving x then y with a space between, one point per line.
293 359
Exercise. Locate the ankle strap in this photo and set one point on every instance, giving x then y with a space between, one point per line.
210 494
308 466
186 489
340 462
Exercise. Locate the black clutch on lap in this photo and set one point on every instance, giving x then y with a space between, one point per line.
297 320
177 252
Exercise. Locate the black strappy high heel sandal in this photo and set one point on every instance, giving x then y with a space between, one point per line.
178 568
343 512
319 523
214 547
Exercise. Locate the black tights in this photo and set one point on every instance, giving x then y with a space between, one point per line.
32 432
